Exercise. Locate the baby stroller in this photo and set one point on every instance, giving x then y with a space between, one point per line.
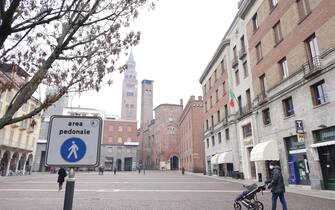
248 198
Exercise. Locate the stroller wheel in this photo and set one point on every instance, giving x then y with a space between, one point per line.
237 206
257 205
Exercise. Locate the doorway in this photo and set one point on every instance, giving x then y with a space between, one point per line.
327 161
252 165
174 163
128 163
119 165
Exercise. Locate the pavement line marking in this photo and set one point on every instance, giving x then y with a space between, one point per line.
115 182
121 190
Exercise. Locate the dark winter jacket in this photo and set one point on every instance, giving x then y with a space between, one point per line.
61 175
277 182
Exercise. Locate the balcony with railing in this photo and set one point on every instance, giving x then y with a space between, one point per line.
242 53
260 99
234 62
312 67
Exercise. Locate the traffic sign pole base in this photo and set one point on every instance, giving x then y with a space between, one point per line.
69 191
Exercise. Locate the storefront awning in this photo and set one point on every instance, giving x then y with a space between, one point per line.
323 144
225 157
214 159
265 151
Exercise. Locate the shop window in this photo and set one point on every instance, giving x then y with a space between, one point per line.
319 95
247 131
266 116
288 107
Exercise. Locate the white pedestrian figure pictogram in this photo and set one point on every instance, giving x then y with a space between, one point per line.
73 151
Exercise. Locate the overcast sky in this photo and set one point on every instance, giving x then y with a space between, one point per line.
178 39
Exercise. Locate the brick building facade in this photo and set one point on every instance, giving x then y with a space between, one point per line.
190 129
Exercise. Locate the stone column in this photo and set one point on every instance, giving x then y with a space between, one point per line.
18 161
8 163
24 164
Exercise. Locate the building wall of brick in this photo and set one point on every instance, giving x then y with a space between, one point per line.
190 136
119 131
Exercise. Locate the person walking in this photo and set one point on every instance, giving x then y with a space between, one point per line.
277 186
61 178
114 171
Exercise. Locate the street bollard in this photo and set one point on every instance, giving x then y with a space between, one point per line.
69 191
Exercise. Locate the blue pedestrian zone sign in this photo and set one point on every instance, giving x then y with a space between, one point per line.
73 149
74 141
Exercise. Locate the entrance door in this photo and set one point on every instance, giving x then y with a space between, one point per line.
174 163
327 161
118 164
128 164
252 165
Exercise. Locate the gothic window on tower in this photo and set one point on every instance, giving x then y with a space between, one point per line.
148 92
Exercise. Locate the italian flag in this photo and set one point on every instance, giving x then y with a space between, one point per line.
231 98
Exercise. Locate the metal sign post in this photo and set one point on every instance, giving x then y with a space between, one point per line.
73 141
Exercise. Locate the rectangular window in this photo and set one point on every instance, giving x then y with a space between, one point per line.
262 84
247 131
211 101
237 77
206 108
207 143
204 89
130 94
259 51
210 82
313 52
273 4
207 125
217 95
288 107
212 121
266 116
242 44
222 66
255 22
319 95
245 69
277 33
223 88
226 112
215 76
248 97
218 115
227 133
239 101
235 53
303 8
219 138
213 141
283 68
120 129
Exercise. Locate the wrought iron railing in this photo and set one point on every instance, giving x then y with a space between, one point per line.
313 66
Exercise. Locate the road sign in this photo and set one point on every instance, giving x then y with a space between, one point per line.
74 141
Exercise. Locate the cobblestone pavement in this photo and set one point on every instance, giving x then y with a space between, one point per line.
130 190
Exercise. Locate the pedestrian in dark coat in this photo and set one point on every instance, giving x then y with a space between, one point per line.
61 177
114 171
277 186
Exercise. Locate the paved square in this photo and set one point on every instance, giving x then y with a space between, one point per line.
130 190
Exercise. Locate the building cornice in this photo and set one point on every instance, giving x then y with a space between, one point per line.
244 7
